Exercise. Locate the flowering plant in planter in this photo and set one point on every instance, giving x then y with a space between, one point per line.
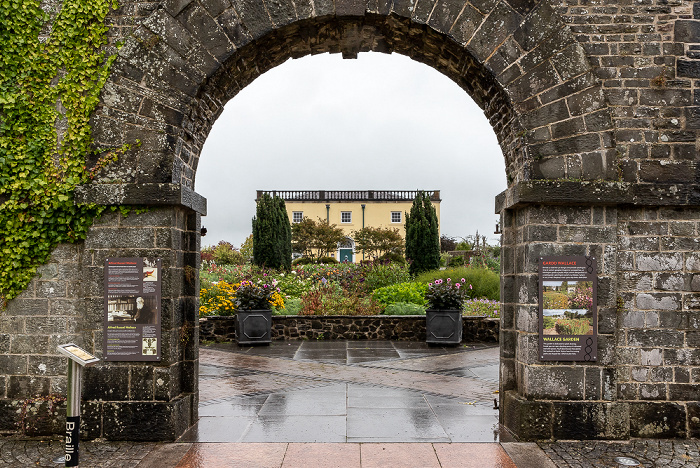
252 296
446 295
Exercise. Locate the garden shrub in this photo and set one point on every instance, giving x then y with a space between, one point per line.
548 322
457 261
393 257
486 261
224 253
572 326
291 284
292 306
484 283
327 260
481 307
554 300
410 292
379 274
333 300
404 308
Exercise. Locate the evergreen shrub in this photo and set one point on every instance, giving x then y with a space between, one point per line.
410 292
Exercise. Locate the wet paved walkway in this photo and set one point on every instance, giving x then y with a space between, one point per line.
344 391
346 404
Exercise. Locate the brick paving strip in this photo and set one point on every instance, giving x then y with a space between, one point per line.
344 455
390 375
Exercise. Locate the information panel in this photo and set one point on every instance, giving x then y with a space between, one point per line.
568 308
132 315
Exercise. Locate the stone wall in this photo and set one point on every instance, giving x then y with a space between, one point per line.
658 321
380 327
47 314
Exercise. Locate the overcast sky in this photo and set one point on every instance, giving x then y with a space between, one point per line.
380 122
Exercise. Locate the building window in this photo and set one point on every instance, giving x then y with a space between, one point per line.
297 216
346 216
395 216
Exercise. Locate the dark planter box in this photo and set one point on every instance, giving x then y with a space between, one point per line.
443 326
253 327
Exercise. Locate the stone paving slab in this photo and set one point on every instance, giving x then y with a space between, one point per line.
438 384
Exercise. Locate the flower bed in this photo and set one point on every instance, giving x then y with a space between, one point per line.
347 327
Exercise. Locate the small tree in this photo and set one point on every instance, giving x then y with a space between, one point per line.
447 244
422 235
375 242
315 238
270 233
328 236
303 234
247 249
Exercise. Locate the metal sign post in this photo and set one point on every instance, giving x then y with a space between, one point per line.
78 358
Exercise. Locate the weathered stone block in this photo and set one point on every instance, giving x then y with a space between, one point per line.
141 421
681 357
661 420
576 421
106 383
21 387
686 31
531 420
658 301
47 365
662 261
444 15
693 418
653 392
554 382
651 338
498 25
254 17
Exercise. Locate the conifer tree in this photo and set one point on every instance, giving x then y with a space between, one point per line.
285 229
271 234
422 235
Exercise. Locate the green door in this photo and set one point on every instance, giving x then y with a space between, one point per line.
345 255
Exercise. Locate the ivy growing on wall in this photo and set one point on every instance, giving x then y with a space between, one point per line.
47 84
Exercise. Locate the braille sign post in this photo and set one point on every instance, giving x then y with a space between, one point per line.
77 359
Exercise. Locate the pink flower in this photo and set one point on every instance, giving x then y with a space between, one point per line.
470 287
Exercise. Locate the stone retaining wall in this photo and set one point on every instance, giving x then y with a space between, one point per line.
378 327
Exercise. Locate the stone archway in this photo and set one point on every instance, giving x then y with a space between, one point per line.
522 66
577 185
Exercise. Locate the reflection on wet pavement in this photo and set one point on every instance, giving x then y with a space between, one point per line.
344 391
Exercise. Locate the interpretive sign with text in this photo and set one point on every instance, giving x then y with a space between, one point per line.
132 315
568 308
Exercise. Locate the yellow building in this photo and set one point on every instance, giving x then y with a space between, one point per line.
352 210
